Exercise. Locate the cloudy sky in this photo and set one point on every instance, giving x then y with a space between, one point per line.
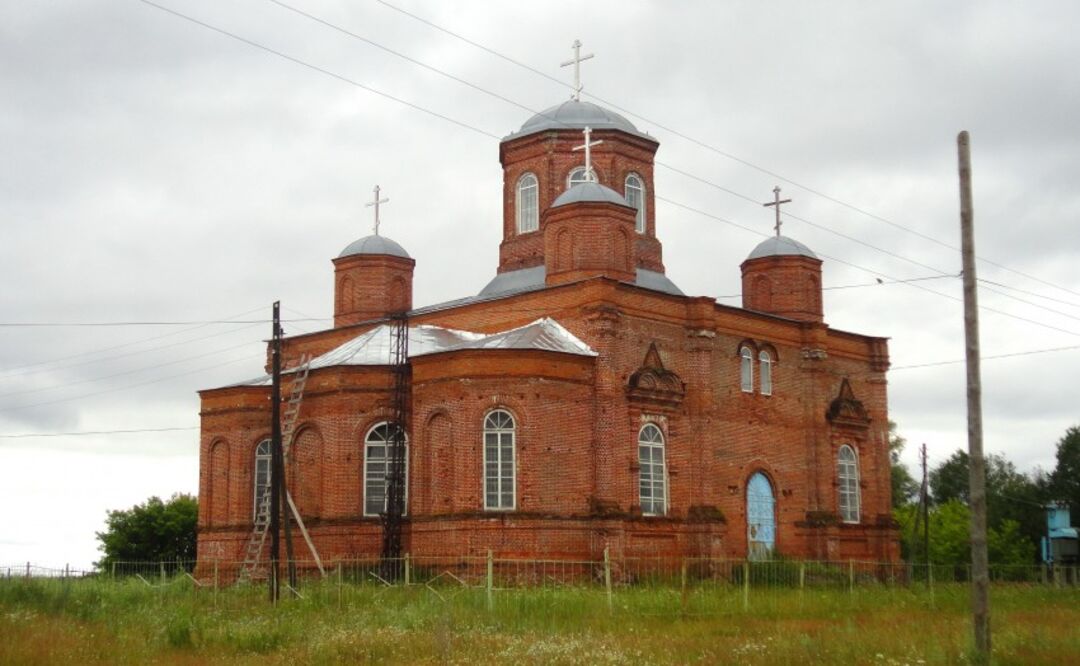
156 170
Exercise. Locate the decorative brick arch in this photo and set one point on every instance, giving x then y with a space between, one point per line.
763 292
437 465
218 486
305 473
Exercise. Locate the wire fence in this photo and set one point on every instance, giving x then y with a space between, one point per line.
664 585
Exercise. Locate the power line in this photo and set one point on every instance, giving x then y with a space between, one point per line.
480 131
718 151
988 358
126 354
124 345
127 372
863 268
30 435
878 283
486 91
16 408
316 68
853 239
147 323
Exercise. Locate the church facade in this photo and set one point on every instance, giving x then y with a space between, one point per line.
581 401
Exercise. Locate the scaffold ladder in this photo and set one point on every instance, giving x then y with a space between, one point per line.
253 551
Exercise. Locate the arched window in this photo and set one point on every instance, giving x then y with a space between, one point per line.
760 517
377 446
499 471
262 476
847 476
746 369
635 196
652 485
765 359
528 207
578 176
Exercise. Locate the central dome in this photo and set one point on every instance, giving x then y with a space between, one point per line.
575 114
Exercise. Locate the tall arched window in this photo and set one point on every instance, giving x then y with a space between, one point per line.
578 176
746 369
377 447
847 476
499 463
262 475
635 196
652 485
765 359
760 517
528 208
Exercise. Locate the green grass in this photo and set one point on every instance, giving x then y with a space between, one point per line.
101 621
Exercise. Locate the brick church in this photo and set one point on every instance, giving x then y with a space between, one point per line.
580 401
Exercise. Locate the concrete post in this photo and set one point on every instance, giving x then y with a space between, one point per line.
746 585
490 580
607 578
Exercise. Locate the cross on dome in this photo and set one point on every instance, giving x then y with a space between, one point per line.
587 147
776 202
576 62
376 203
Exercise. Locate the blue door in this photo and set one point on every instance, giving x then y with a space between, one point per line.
760 517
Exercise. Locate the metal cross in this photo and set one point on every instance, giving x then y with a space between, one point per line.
576 62
587 147
376 204
776 202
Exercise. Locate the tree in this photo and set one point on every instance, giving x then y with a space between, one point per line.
1010 494
1065 479
950 537
151 531
904 486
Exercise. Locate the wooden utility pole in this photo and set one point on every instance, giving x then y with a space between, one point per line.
277 468
980 576
926 511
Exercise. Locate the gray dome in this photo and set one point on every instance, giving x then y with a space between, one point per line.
375 245
589 192
780 246
575 114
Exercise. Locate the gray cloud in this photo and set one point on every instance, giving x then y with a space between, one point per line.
156 170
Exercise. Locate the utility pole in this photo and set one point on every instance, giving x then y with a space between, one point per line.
980 577
277 469
925 511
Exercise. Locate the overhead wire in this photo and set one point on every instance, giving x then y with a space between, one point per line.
83 433
15 408
491 135
486 91
987 358
321 70
129 354
133 371
120 346
714 149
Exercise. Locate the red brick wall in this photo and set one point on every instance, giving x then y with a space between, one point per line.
551 158
577 436
369 286
587 239
786 285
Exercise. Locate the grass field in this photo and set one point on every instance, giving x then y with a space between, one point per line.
91 621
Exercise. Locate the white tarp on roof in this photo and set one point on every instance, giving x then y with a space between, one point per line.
374 346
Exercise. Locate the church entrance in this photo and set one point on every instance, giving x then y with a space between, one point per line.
760 517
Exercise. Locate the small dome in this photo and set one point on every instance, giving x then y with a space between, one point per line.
375 245
780 246
575 114
590 192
